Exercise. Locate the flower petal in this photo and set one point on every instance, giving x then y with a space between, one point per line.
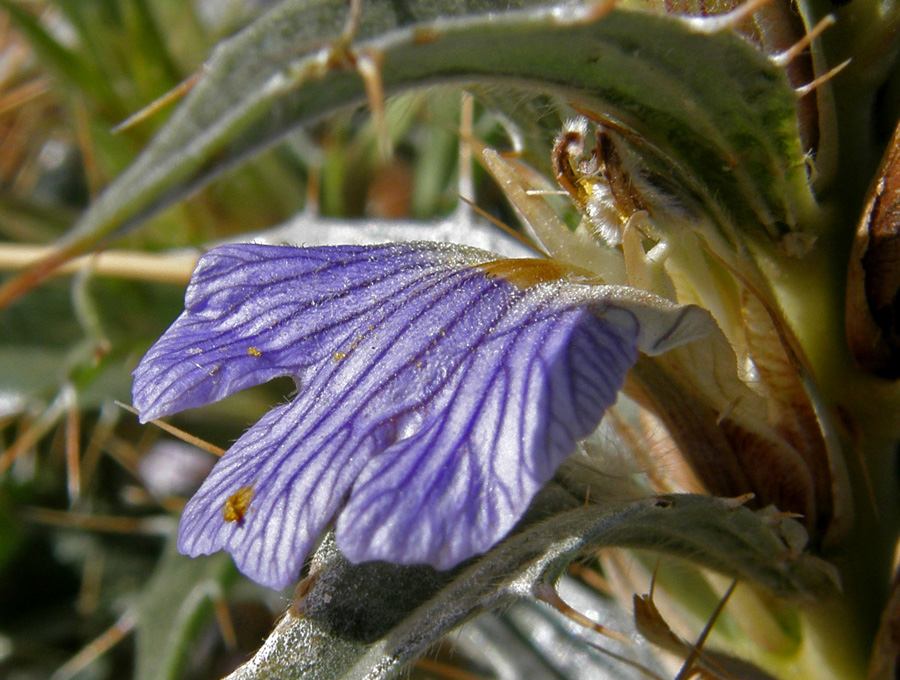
439 388
253 313
272 494
508 416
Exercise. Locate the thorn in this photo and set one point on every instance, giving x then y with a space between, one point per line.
687 669
784 58
728 20
547 593
172 95
653 578
650 623
775 516
801 92
738 501
181 434
653 627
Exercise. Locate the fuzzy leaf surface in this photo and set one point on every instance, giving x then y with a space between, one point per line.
712 532
703 106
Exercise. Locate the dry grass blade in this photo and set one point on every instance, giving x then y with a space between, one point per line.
181 434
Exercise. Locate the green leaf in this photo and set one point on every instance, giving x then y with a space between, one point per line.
330 631
701 103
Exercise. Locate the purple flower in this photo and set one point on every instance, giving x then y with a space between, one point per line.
438 388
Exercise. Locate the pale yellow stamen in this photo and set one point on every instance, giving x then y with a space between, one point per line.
527 272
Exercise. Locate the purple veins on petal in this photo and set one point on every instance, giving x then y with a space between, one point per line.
439 388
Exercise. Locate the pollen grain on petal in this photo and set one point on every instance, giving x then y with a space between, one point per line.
237 505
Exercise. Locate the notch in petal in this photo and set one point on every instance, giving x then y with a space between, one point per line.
439 389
